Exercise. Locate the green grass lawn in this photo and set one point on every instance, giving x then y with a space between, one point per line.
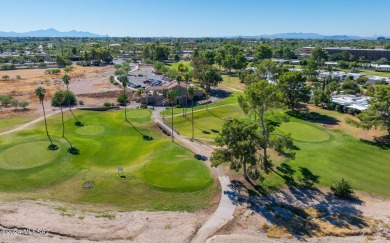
331 154
160 175
230 100
13 122
232 82
374 73
176 64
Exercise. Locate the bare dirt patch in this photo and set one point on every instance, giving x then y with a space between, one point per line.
66 223
312 215
85 80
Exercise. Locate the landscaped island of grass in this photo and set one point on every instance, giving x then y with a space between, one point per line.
158 174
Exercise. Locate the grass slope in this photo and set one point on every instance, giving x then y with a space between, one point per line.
159 175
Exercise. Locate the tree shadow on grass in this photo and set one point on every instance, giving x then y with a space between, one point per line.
382 142
144 136
219 93
314 117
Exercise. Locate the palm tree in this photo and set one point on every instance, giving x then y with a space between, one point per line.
171 95
190 92
124 81
40 92
178 80
60 97
66 79
183 69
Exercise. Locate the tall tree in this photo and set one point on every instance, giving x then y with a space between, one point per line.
124 81
66 79
294 90
60 97
211 77
190 92
378 115
239 143
40 92
319 55
259 100
171 95
263 51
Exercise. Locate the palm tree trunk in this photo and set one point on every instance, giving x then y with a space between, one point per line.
47 131
172 122
192 118
70 109
124 93
63 125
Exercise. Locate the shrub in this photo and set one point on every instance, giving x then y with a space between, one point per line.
18 77
5 77
5 100
342 189
68 69
42 64
122 99
69 98
23 104
6 66
81 102
112 79
107 104
143 106
177 106
54 71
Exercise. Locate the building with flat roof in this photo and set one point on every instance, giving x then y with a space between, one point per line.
369 54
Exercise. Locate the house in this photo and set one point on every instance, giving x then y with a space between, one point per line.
351 101
381 68
157 95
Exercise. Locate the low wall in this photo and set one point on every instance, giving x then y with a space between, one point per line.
100 108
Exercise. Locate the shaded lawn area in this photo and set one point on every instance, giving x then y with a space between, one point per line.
232 82
159 175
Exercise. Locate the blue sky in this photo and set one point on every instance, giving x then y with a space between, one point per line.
199 17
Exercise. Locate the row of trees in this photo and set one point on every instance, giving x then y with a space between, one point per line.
8 100
59 98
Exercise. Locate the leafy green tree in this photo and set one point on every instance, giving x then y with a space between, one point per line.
239 142
293 88
378 115
6 100
259 100
23 104
263 51
268 69
171 96
66 79
208 56
40 92
211 77
319 55
15 103
69 98
320 96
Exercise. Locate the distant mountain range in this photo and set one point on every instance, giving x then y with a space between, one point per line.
293 35
50 33
311 36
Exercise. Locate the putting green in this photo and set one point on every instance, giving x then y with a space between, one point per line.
27 155
91 130
303 132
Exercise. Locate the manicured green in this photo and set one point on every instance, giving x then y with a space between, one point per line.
304 132
159 174
375 73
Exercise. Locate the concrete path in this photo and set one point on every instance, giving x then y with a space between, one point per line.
30 123
226 208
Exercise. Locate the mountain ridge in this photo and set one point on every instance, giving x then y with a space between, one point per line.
51 32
